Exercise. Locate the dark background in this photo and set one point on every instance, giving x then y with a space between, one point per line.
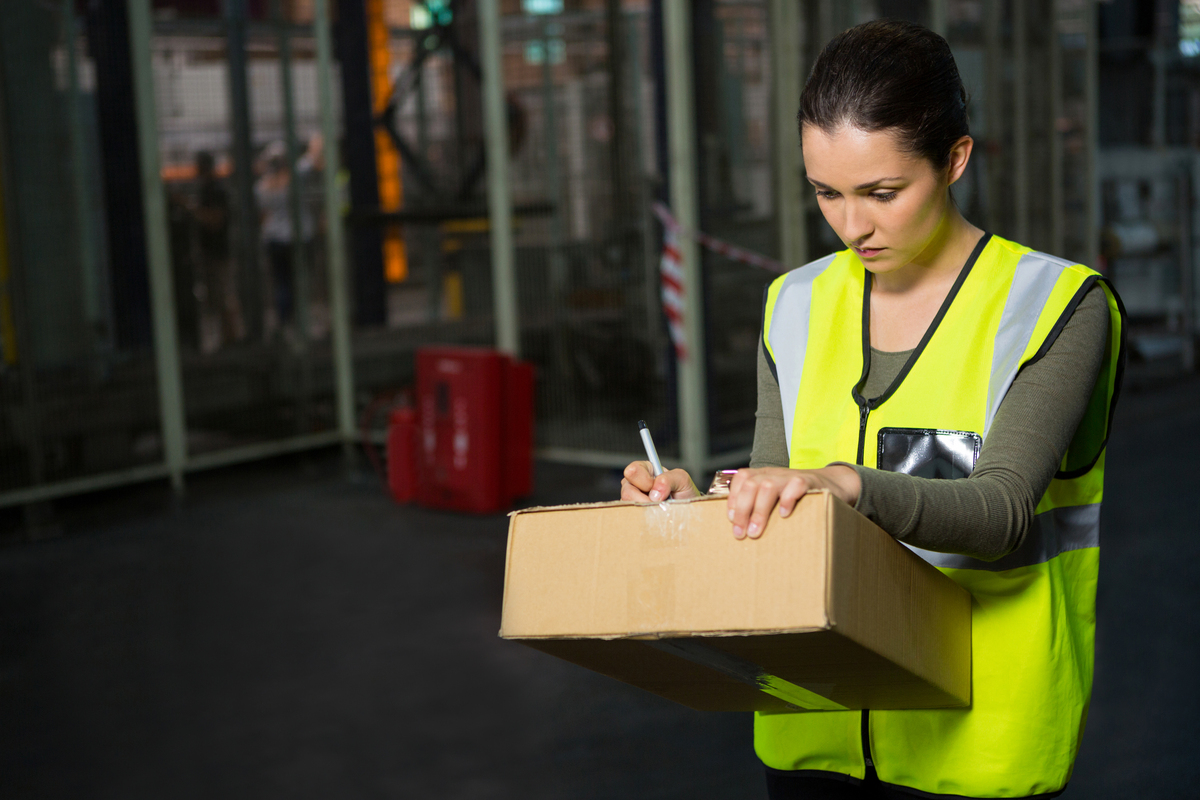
287 631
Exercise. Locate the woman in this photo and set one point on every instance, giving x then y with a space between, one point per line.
881 377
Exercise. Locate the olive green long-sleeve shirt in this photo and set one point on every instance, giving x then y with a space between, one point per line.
987 514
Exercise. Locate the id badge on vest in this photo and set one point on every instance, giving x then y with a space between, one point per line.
926 453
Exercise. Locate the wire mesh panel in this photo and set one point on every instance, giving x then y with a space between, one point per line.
235 90
246 222
77 378
737 203
587 257
587 303
418 217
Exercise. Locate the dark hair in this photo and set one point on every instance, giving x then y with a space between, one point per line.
889 75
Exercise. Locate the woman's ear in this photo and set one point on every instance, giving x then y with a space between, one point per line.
960 154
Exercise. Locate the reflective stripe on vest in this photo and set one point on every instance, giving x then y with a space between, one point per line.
1051 534
1035 277
788 316
793 298
1034 611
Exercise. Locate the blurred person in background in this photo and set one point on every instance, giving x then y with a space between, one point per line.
957 389
272 192
218 284
180 230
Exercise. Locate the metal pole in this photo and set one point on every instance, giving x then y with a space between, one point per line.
937 17
644 183
681 131
787 69
425 239
339 305
992 123
1186 269
249 281
558 264
14 315
1020 122
1193 221
1092 143
615 38
826 28
1159 55
283 39
504 278
158 251
87 246
300 262
1056 143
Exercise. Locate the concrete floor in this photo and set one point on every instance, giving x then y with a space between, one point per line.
287 631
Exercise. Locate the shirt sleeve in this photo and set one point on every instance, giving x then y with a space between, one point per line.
988 514
770 440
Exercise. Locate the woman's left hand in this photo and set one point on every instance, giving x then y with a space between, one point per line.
755 492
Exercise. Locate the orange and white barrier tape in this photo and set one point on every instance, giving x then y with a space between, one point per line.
671 270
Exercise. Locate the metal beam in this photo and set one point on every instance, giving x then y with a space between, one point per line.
558 263
158 252
787 69
681 132
1092 141
992 114
221 458
937 17
249 276
92 483
254 452
335 244
504 278
1057 190
1187 275
88 250
1020 197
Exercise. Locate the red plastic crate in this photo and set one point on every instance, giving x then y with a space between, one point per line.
475 429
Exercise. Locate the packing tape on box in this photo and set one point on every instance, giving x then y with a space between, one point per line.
747 672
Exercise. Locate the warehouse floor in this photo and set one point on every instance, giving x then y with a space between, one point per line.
286 631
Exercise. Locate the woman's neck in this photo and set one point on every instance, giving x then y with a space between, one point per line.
939 263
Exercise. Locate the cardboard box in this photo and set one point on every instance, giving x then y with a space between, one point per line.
824 611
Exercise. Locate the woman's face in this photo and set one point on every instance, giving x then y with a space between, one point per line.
889 206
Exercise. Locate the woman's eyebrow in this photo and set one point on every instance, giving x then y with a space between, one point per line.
866 185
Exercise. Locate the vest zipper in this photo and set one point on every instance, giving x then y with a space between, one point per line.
864 411
866 742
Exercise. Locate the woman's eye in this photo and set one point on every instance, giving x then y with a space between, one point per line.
884 197
828 194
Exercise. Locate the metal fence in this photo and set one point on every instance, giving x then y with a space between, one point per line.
249 269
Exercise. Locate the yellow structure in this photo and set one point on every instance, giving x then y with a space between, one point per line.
387 158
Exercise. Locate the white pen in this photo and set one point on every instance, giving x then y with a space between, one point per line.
650 451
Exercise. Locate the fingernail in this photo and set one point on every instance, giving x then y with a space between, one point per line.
783 512
731 515
656 495
738 533
753 531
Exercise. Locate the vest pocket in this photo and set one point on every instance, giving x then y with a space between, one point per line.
926 453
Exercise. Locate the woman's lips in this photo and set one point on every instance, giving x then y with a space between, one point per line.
867 252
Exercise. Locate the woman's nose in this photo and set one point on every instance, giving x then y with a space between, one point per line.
857 222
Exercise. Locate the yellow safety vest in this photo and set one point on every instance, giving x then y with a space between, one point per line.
1034 610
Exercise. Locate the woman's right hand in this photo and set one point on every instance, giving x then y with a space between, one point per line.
639 485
